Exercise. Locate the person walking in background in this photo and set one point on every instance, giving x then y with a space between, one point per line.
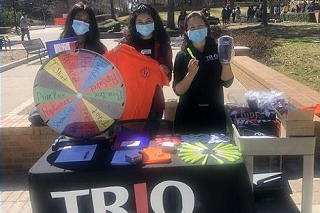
250 14
305 6
261 11
258 14
278 11
233 14
199 78
228 14
147 35
81 23
24 26
224 14
238 15
181 18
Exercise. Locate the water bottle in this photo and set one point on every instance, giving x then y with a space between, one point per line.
225 49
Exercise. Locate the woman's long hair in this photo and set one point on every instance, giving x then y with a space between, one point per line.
189 16
160 35
93 36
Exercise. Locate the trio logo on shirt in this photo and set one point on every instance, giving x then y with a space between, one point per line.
212 57
145 71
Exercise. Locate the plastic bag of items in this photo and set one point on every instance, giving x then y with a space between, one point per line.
261 101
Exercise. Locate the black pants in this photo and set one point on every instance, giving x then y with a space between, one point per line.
25 31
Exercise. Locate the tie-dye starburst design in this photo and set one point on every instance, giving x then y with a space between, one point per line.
192 153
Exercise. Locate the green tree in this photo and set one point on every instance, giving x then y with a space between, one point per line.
7 16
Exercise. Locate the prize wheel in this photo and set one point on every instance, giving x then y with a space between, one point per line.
79 94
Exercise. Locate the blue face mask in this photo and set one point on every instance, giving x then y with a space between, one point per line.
80 27
198 36
145 29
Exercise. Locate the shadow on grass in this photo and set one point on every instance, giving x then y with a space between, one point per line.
300 33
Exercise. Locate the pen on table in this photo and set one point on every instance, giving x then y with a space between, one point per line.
85 155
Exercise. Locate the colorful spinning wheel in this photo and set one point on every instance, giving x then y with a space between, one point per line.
79 94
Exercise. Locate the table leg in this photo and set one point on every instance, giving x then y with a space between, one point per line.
248 160
307 183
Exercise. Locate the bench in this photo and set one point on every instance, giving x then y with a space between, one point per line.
254 75
5 42
34 46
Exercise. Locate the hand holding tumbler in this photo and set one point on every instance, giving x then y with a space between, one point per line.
225 49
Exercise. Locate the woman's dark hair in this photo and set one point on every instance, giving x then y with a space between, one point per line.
189 16
93 36
160 35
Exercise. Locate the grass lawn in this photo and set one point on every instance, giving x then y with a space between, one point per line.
296 49
216 12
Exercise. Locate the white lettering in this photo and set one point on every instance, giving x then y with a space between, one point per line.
185 191
122 196
70 198
99 206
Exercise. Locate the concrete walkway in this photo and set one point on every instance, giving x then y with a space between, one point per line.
16 89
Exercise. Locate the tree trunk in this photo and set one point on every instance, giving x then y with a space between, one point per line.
231 4
15 15
271 5
170 19
113 15
66 2
44 18
264 14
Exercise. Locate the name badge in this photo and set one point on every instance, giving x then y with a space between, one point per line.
146 51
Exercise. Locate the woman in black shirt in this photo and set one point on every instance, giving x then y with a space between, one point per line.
148 36
199 78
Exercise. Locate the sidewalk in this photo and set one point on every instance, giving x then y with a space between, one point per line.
36 32
17 90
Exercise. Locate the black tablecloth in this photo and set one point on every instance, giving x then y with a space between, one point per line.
215 188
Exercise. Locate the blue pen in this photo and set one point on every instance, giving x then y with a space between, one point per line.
85 155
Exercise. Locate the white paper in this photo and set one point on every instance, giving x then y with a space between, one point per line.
61 47
76 153
170 144
130 143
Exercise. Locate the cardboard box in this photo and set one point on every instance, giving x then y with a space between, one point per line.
296 123
296 115
170 109
297 128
